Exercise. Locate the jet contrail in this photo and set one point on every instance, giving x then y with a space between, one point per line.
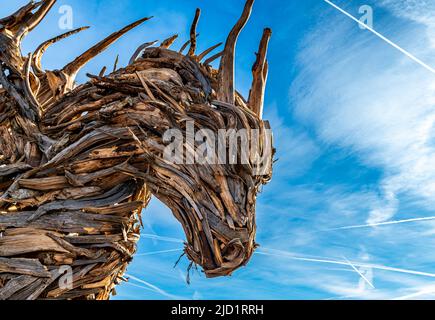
157 237
391 43
280 253
360 274
153 287
151 253
382 223
139 286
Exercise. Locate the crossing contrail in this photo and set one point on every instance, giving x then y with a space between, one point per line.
281 253
359 272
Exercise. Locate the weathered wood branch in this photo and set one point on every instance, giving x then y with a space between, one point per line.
207 51
168 42
73 67
192 48
39 52
226 91
259 73
140 50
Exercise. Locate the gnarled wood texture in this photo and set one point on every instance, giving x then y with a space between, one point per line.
79 163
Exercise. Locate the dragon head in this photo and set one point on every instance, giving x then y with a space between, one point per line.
168 124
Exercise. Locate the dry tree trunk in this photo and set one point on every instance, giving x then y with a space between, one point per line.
78 164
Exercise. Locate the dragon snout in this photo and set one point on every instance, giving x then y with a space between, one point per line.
235 254
224 250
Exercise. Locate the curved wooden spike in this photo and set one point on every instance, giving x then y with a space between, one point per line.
102 72
206 52
184 46
226 69
192 48
168 42
39 52
139 50
213 58
259 73
115 65
72 68
36 18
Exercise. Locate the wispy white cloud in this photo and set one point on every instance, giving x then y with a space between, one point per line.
368 97
421 11
421 292
296 151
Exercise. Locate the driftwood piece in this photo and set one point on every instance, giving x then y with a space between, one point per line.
15 245
39 52
226 89
259 73
192 48
206 52
168 42
14 285
78 163
31 267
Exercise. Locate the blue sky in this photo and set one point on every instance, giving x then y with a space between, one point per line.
354 125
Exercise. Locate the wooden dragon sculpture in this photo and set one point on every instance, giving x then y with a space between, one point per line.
78 163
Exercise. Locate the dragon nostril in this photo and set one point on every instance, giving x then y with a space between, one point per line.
234 255
233 250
